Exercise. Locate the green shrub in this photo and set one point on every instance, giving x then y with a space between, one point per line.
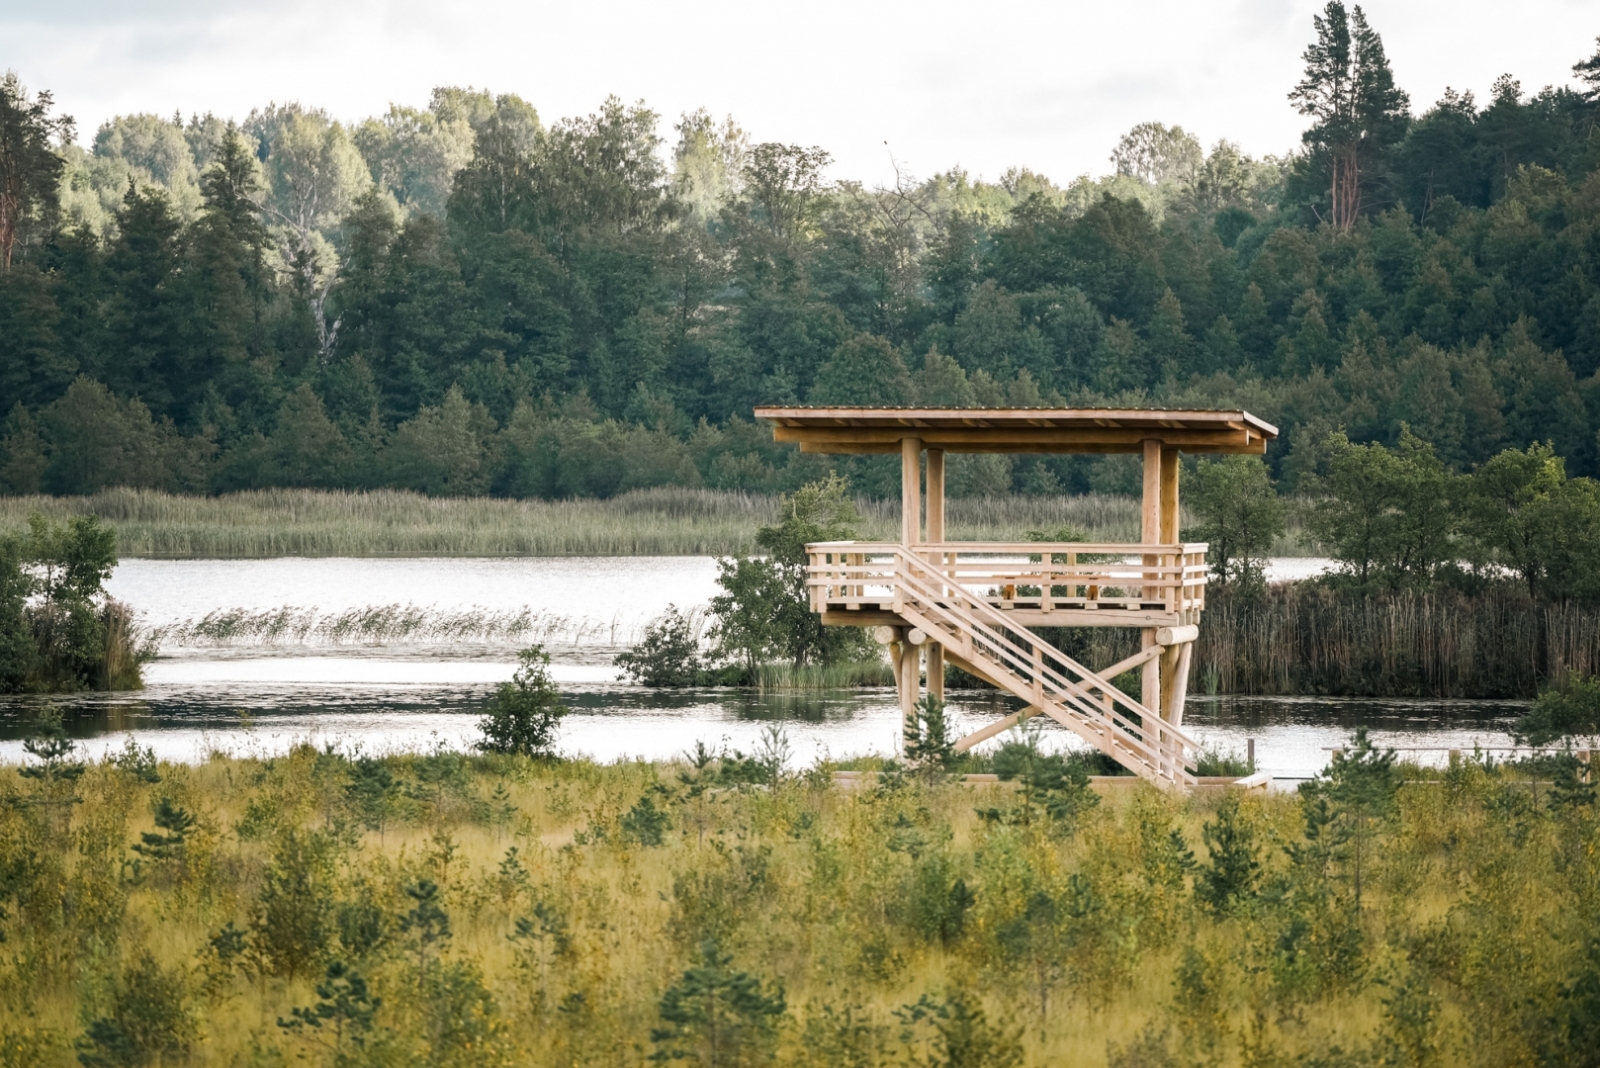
1231 875
1573 712
717 1017
59 631
524 713
147 1019
645 824
667 656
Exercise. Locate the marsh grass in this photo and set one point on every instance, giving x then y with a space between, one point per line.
657 522
781 677
565 928
1308 638
377 624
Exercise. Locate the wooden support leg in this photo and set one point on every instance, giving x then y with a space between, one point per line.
935 670
1169 678
1180 685
910 669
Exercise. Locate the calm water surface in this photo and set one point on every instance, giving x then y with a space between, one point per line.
260 696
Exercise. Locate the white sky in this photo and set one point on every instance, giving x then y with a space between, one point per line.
1048 86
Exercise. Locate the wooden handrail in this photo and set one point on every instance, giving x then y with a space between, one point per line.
1019 659
1173 575
1011 548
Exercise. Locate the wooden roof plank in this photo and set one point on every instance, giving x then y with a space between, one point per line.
1062 430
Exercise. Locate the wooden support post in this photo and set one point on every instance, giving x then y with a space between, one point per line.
936 535
1169 520
910 669
1169 496
910 490
1150 504
1150 534
1178 689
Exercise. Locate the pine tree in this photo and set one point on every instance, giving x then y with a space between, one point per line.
30 168
1231 874
716 1017
1358 111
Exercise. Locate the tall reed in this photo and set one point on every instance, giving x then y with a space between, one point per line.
786 677
658 522
1305 638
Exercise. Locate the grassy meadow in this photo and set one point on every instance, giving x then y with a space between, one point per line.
658 522
448 910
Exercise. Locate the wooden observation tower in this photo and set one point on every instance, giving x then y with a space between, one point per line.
974 604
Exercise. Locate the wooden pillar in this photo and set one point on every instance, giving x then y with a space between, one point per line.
1174 659
1169 496
936 534
910 490
910 687
1150 534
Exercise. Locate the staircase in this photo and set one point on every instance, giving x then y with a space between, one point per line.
983 640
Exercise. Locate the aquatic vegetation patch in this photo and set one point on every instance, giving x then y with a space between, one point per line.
292 625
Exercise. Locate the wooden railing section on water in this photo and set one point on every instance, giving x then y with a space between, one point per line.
976 604
977 634
1048 584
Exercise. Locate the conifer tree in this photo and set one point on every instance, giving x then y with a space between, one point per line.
1357 110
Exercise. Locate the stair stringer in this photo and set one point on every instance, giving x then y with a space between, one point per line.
957 620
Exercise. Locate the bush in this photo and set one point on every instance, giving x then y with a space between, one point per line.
147 1020
715 1016
1573 712
667 656
525 712
58 629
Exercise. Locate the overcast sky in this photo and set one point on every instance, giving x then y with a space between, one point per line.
1043 85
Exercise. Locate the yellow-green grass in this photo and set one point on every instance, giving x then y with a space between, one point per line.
1477 903
663 522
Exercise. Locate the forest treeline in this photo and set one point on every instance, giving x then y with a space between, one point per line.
462 299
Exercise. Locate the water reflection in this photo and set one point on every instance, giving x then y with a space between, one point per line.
611 721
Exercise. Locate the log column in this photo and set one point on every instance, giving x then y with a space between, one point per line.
1174 659
1150 534
910 490
910 534
936 535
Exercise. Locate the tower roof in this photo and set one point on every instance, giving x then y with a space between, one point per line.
1023 430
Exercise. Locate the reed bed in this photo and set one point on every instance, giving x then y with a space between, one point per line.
656 522
815 677
1304 638
376 624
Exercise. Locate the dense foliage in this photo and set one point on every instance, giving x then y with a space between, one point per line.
59 630
523 716
449 910
461 299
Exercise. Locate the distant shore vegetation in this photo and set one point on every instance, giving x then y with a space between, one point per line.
668 521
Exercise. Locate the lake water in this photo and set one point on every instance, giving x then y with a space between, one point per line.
393 654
